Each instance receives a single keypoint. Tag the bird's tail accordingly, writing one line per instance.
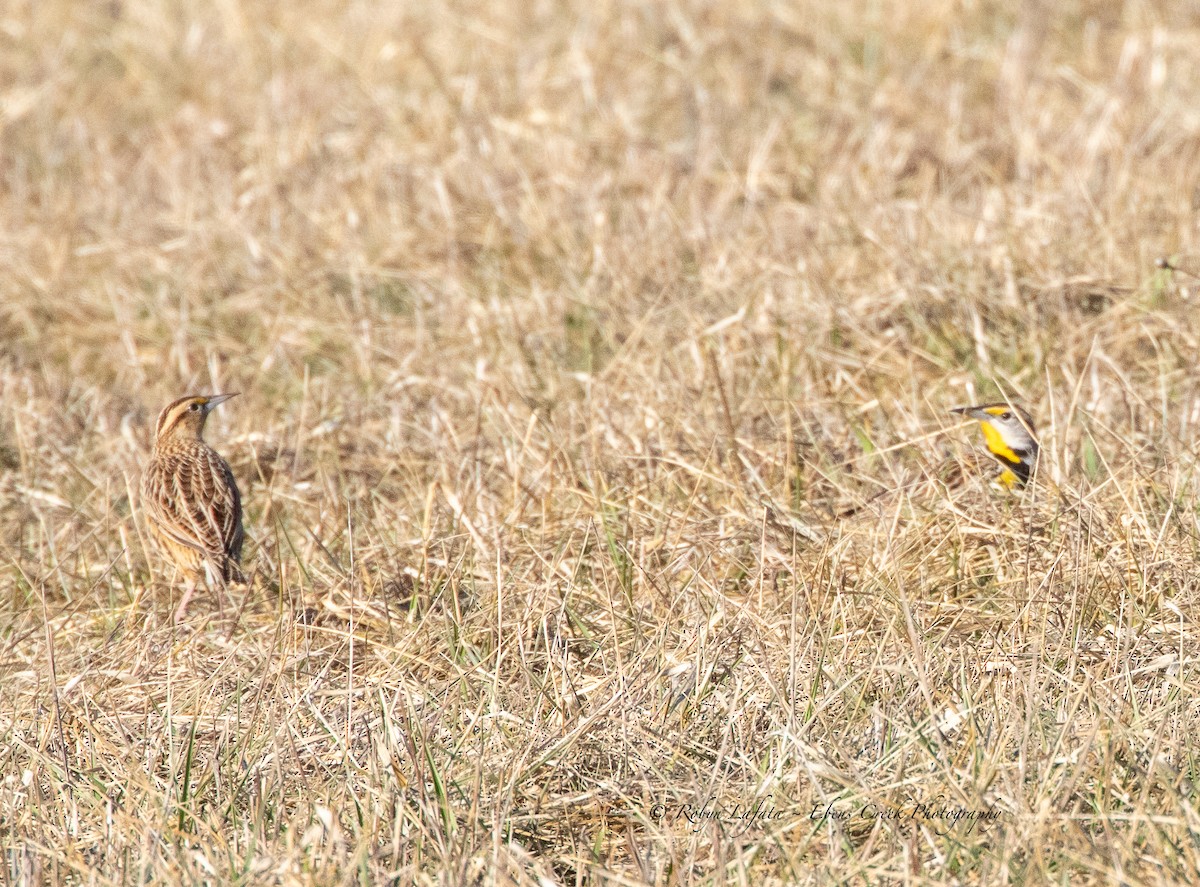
(224, 569)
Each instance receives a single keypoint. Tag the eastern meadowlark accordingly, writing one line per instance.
(1010, 437)
(191, 499)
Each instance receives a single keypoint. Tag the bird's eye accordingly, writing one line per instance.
(1005, 416)
(194, 407)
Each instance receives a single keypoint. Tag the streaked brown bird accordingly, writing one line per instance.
(191, 500)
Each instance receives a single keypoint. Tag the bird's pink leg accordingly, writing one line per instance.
(188, 591)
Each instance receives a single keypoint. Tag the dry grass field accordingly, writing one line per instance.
(595, 363)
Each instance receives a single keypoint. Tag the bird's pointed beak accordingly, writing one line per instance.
(218, 399)
(970, 412)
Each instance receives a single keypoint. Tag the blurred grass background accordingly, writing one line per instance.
(590, 358)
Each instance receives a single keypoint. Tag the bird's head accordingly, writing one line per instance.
(185, 417)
